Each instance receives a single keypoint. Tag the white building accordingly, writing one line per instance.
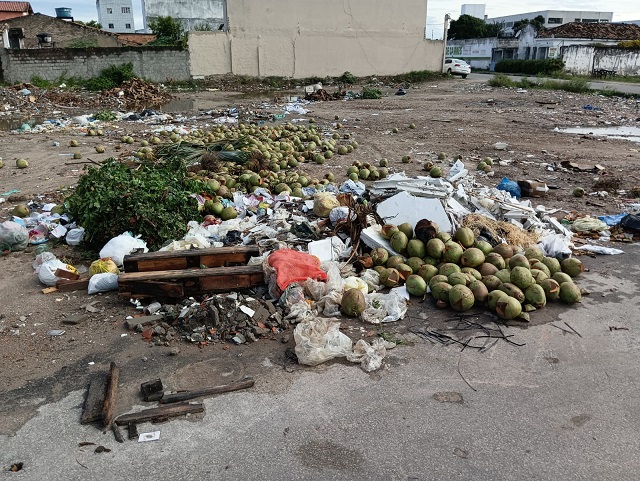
(474, 9)
(116, 15)
(192, 14)
(554, 18)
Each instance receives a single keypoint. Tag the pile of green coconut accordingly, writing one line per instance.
(462, 271)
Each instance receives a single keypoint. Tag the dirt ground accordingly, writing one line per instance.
(452, 116)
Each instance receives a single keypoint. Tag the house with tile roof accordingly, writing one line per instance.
(14, 9)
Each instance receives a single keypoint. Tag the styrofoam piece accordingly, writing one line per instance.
(372, 237)
(404, 207)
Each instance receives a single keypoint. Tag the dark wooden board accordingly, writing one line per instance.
(162, 412)
(92, 411)
(194, 258)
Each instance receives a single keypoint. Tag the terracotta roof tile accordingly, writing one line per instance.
(604, 31)
(15, 7)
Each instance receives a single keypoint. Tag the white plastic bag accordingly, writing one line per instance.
(75, 236)
(14, 236)
(370, 356)
(122, 245)
(104, 282)
(556, 245)
(384, 308)
(320, 340)
(46, 272)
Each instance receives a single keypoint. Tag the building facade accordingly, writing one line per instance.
(192, 14)
(116, 15)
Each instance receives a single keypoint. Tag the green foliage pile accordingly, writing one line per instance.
(152, 200)
(105, 115)
(371, 93)
(110, 77)
(547, 66)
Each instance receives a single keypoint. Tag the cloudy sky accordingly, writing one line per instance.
(622, 9)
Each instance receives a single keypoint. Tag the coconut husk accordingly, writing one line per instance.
(514, 235)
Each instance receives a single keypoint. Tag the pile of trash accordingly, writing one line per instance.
(138, 93)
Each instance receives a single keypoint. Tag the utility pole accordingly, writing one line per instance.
(447, 17)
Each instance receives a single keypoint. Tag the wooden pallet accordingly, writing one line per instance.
(189, 282)
(190, 259)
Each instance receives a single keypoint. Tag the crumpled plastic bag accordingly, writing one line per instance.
(320, 340)
(588, 224)
(356, 283)
(384, 308)
(370, 356)
(372, 278)
(104, 282)
(75, 236)
(556, 245)
(324, 203)
(122, 245)
(46, 271)
(13, 236)
(102, 266)
(510, 186)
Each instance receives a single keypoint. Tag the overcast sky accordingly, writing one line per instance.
(622, 9)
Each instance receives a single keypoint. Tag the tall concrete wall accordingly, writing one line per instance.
(191, 13)
(582, 59)
(304, 38)
(158, 64)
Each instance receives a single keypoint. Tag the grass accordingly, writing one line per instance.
(575, 85)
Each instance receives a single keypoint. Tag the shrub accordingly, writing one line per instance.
(501, 80)
(371, 93)
(111, 77)
(530, 67)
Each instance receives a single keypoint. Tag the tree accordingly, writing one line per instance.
(167, 30)
(472, 27)
(537, 23)
(91, 23)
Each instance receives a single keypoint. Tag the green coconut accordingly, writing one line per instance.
(534, 252)
(228, 213)
(415, 263)
(440, 291)
(380, 256)
(465, 236)
(572, 266)
(435, 279)
(458, 278)
(492, 282)
(452, 252)
(390, 277)
(443, 236)
(472, 257)
(21, 210)
(551, 289)
(552, 264)
(416, 285)
(427, 271)
(480, 291)
(448, 268)
(399, 241)
(487, 269)
(570, 293)
(521, 277)
(404, 270)
(505, 250)
(22, 164)
(504, 275)
(407, 229)
(461, 298)
(561, 277)
(484, 246)
(513, 291)
(435, 248)
(519, 260)
(508, 308)
(353, 303)
(494, 297)
(431, 261)
(435, 172)
(472, 273)
(539, 265)
(394, 261)
(388, 230)
(538, 275)
(496, 259)
(535, 296)
(416, 248)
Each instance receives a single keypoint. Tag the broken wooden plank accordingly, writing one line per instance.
(154, 289)
(193, 281)
(161, 412)
(49, 290)
(152, 390)
(116, 433)
(95, 399)
(188, 259)
(65, 285)
(110, 396)
(62, 274)
(208, 391)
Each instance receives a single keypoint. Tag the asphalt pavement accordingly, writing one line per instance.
(562, 406)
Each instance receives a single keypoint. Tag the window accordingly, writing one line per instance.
(604, 20)
(126, 9)
(127, 25)
(508, 24)
(109, 10)
(556, 21)
(589, 20)
(111, 26)
(577, 20)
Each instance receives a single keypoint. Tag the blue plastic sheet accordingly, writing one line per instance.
(510, 186)
(613, 219)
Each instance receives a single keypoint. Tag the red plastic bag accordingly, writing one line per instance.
(294, 266)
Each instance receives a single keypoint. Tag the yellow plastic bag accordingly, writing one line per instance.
(103, 266)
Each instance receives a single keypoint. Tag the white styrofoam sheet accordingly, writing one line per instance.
(404, 207)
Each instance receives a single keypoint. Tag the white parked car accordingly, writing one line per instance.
(455, 66)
